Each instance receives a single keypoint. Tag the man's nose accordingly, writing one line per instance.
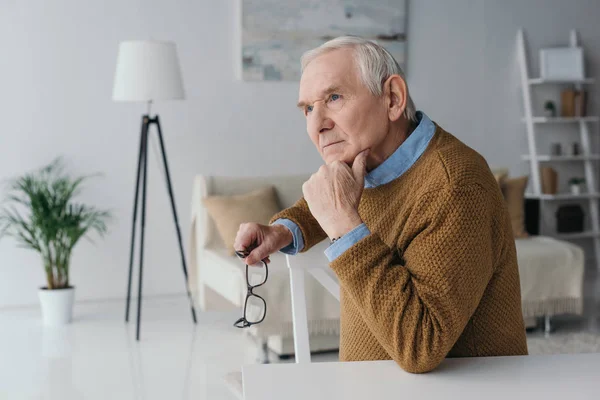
(326, 125)
(321, 121)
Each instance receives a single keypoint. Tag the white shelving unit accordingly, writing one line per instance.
(590, 160)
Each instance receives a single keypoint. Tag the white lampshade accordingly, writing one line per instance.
(147, 71)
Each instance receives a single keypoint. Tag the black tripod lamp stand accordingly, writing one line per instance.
(148, 71)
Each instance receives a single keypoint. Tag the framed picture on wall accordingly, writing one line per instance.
(562, 63)
(273, 34)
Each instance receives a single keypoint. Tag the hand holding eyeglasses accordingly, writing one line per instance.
(260, 241)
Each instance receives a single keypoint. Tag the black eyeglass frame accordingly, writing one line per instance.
(243, 321)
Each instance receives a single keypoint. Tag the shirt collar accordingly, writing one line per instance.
(405, 155)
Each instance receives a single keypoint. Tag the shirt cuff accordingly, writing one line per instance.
(338, 247)
(298, 243)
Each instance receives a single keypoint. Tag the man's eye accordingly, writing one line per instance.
(308, 109)
(335, 97)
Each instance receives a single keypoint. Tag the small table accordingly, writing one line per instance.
(560, 376)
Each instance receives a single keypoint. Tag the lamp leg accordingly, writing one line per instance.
(144, 131)
(183, 263)
(144, 180)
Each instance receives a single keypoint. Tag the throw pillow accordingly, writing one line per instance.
(500, 178)
(514, 194)
(228, 212)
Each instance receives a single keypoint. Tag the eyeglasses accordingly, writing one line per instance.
(255, 307)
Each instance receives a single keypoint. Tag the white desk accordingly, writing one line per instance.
(564, 377)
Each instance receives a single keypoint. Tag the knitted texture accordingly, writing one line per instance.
(438, 276)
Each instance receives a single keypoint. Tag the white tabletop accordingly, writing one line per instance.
(565, 376)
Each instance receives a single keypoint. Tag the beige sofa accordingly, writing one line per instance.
(551, 272)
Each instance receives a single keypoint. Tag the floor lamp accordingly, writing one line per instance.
(148, 71)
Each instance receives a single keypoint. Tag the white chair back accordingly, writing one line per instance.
(312, 262)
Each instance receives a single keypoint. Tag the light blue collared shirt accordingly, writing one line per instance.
(392, 168)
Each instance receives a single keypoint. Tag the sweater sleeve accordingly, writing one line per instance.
(300, 214)
(417, 302)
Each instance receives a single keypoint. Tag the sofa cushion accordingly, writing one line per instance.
(228, 212)
(514, 194)
(288, 188)
(500, 177)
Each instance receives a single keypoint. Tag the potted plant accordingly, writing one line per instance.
(40, 213)
(549, 109)
(576, 185)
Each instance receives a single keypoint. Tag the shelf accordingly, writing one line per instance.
(543, 120)
(577, 235)
(546, 157)
(539, 81)
(562, 196)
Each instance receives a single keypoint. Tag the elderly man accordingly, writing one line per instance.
(421, 239)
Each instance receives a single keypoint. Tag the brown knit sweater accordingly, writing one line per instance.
(437, 277)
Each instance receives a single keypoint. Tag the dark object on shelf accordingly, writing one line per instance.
(580, 103)
(569, 219)
(556, 149)
(576, 149)
(532, 216)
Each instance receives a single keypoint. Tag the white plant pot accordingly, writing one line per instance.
(57, 305)
(576, 189)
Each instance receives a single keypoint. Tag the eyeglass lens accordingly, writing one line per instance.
(255, 309)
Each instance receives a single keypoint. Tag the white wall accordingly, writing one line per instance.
(463, 69)
(56, 74)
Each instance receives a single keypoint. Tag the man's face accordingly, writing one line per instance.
(343, 118)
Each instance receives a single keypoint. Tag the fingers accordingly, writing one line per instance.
(266, 259)
(257, 255)
(359, 166)
(244, 238)
(248, 237)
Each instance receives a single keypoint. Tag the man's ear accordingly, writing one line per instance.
(395, 93)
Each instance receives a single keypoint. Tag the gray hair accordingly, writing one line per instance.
(375, 65)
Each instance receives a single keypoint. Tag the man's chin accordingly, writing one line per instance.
(332, 158)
